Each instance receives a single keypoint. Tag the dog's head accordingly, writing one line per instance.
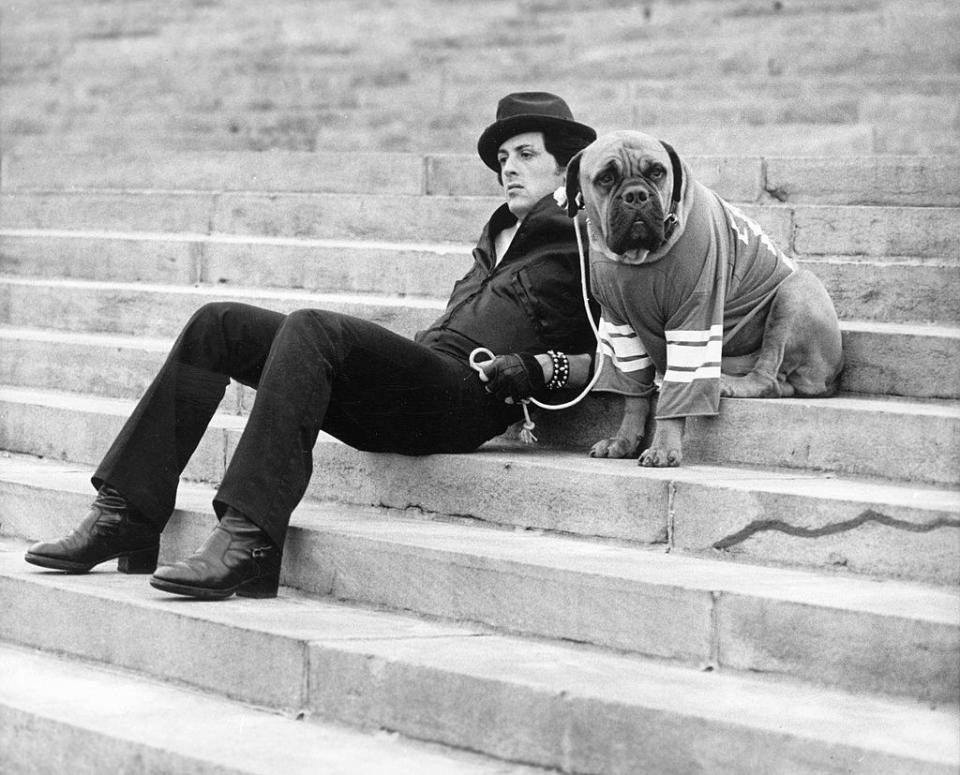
(631, 187)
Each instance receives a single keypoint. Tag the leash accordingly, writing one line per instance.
(526, 433)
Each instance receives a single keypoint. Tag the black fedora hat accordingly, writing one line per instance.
(531, 111)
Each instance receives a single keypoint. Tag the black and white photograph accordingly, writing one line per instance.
(442, 387)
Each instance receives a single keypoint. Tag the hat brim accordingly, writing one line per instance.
(488, 146)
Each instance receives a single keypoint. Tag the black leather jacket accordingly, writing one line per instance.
(531, 301)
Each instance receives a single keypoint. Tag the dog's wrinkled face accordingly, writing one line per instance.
(626, 181)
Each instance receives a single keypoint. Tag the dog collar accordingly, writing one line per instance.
(672, 220)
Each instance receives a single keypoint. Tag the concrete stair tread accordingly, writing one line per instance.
(877, 287)
(921, 180)
(436, 247)
(218, 291)
(358, 658)
(797, 624)
(279, 296)
(934, 410)
(496, 454)
(118, 722)
(946, 409)
(557, 552)
(898, 328)
(803, 229)
(441, 248)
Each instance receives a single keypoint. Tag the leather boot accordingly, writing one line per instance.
(237, 557)
(111, 529)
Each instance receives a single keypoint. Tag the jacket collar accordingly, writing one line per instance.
(546, 217)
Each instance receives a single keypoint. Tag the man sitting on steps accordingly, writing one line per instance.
(375, 390)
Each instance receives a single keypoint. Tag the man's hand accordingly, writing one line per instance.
(513, 377)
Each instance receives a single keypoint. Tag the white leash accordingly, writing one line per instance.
(526, 434)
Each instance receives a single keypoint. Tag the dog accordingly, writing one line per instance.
(697, 302)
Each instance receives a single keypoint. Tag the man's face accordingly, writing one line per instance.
(528, 173)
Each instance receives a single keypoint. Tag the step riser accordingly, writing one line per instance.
(84, 437)
(875, 363)
(891, 292)
(808, 523)
(808, 437)
(792, 433)
(381, 681)
(798, 229)
(897, 181)
(133, 311)
(58, 715)
(736, 178)
(874, 290)
(801, 526)
(693, 626)
(33, 744)
(594, 737)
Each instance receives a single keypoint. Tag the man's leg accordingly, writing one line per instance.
(372, 388)
(221, 340)
(138, 477)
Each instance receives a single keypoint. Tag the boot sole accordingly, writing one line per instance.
(255, 588)
(57, 564)
(139, 561)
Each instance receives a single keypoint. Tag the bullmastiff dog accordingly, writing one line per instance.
(697, 302)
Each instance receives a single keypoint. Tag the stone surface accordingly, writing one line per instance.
(824, 627)
(58, 715)
(437, 682)
(162, 310)
(128, 211)
(874, 180)
(386, 173)
(79, 428)
(891, 290)
(102, 256)
(807, 230)
(876, 231)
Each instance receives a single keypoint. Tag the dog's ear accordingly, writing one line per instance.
(574, 197)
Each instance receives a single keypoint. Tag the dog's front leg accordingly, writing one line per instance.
(666, 449)
(636, 409)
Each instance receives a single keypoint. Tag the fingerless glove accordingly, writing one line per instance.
(516, 376)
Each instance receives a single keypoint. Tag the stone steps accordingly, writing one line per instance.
(530, 604)
(738, 512)
(803, 230)
(895, 359)
(575, 609)
(883, 288)
(699, 612)
(406, 77)
(823, 434)
(842, 180)
(549, 704)
(83, 718)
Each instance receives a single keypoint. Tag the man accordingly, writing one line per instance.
(316, 370)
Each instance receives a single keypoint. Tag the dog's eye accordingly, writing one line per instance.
(605, 180)
(657, 173)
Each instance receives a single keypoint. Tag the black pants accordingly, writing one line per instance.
(313, 370)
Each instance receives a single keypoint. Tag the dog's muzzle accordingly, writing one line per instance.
(635, 219)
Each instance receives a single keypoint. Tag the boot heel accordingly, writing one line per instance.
(260, 587)
(143, 561)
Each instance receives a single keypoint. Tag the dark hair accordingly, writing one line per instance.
(560, 145)
(563, 146)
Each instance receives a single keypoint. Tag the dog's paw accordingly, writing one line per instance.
(752, 385)
(616, 447)
(727, 388)
(660, 457)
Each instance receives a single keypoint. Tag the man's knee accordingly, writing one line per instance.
(210, 316)
(315, 323)
(217, 329)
